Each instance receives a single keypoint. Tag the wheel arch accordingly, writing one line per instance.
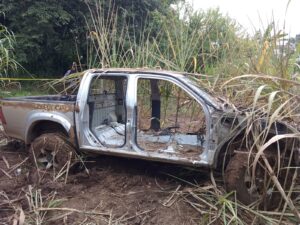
(276, 128)
(46, 125)
(224, 146)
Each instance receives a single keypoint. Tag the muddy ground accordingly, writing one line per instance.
(116, 191)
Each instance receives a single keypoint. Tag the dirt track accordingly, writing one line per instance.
(123, 191)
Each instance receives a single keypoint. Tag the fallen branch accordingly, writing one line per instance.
(73, 210)
(7, 174)
(138, 214)
(17, 165)
(167, 203)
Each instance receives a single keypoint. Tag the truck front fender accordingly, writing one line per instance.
(280, 128)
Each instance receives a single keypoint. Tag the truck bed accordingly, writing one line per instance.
(22, 112)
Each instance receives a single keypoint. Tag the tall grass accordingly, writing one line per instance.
(198, 42)
(112, 44)
(7, 61)
(194, 44)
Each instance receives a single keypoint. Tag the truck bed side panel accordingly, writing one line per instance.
(21, 113)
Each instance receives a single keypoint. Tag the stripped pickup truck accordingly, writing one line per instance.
(151, 115)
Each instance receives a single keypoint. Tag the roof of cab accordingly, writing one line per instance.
(215, 101)
(135, 70)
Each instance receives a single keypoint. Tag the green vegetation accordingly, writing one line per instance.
(25, 88)
(150, 33)
(51, 35)
(7, 61)
(46, 32)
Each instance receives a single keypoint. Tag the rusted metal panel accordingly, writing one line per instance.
(61, 107)
(72, 135)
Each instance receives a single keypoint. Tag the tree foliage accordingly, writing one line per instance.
(50, 34)
(45, 32)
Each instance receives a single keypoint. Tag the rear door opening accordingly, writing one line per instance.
(106, 101)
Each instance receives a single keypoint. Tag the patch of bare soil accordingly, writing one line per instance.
(115, 191)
